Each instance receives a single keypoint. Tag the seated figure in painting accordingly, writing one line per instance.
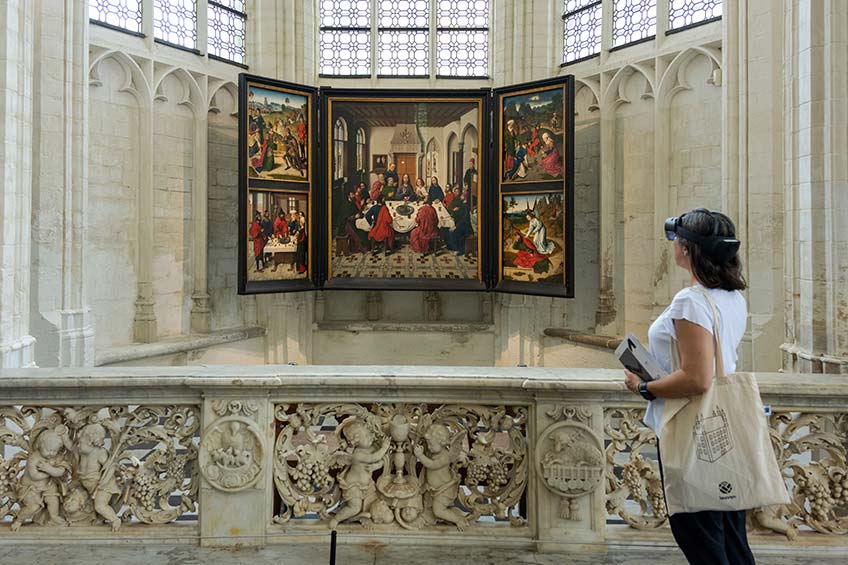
(347, 214)
(426, 228)
(390, 189)
(391, 174)
(552, 160)
(420, 188)
(435, 191)
(377, 187)
(406, 191)
(455, 237)
(451, 195)
(381, 227)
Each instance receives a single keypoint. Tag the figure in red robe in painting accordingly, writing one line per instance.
(377, 188)
(361, 196)
(257, 235)
(382, 229)
(281, 226)
(552, 161)
(427, 227)
(528, 256)
(535, 143)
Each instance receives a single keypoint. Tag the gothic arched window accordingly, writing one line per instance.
(339, 144)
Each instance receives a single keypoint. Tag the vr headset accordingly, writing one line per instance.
(720, 248)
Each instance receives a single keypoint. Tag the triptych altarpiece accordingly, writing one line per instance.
(406, 189)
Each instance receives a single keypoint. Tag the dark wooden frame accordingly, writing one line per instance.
(311, 282)
(490, 200)
(481, 96)
(566, 186)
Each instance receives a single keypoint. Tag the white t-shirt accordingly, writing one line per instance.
(691, 305)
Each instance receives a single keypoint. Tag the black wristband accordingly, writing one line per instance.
(646, 394)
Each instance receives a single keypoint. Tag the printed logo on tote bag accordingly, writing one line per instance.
(712, 436)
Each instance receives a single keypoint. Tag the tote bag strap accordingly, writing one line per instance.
(719, 358)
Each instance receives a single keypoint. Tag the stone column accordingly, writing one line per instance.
(816, 91)
(16, 45)
(59, 310)
(201, 314)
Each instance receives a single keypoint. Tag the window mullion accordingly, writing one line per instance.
(375, 39)
(434, 42)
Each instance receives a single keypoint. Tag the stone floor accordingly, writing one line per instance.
(370, 553)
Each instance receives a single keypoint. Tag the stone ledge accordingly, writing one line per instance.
(170, 346)
(435, 327)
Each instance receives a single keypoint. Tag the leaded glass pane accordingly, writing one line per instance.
(125, 14)
(345, 13)
(582, 34)
(463, 13)
(345, 52)
(403, 13)
(403, 52)
(633, 20)
(175, 21)
(226, 34)
(237, 5)
(463, 53)
(682, 13)
(573, 5)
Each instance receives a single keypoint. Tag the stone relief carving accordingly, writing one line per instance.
(631, 479)
(83, 466)
(232, 449)
(569, 460)
(400, 465)
(811, 450)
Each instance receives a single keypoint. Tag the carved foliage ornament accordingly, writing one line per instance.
(569, 458)
(89, 465)
(410, 466)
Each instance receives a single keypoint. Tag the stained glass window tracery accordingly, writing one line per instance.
(227, 19)
(344, 40)
(582, 23)
(684, 13)
(633, 20)
(175, 22)
(339, 143)
(403, 38)
(462, 38)
(123, 14)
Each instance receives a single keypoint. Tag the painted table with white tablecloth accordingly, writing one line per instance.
(403, 216)
(283, 251)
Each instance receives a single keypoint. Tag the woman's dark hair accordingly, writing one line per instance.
(708, 271)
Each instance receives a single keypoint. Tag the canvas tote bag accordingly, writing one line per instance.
(715, 448)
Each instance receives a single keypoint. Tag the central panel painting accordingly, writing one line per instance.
(404, 180)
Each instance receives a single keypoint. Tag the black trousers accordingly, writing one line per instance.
(711, 537)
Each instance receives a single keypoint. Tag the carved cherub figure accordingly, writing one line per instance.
(356, 483)
(97, 473)
(441, 481)
(41, 483)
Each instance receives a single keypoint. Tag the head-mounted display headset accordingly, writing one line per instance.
(720, 248)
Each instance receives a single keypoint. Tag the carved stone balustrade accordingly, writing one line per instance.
(545, 458)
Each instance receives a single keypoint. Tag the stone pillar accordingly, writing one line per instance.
(16, 45)
(235, 506)
(59, 311)
(201, 314)
(816, 91)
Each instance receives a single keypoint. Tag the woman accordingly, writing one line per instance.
(709, 536)
(300, 253)
(420, 188)
(552, 161)
(426, 228)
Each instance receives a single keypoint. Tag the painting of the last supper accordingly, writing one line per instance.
(405, 193)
